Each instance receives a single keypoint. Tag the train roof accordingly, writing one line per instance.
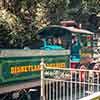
(72, 29)
(55, 29)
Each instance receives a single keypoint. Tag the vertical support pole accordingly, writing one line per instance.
(90, 81)
(42, 79)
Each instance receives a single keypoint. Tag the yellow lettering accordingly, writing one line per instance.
(58, 66)
(22, 69)
(51, 65)
(48, 65)
(15, 70)
(39, 67)
(25, 68)
(12, 70)
(30, 68)
(35, 68)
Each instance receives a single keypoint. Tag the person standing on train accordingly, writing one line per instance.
(75, 47)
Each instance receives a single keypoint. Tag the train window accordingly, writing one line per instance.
(86, 41)
(54, 41)
(59, 41)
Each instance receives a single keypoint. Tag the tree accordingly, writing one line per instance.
(41, 17)
(81, 10)
(93, 23)
(4, 36)
(19, 21)
(23, 18)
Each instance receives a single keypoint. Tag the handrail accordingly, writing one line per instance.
(94, 96)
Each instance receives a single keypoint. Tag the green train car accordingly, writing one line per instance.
(20, 69)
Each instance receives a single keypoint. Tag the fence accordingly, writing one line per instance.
(68, 84)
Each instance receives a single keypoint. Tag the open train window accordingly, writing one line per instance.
(86, 40)
(57, 41)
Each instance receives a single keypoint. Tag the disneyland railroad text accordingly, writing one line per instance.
(31, 68)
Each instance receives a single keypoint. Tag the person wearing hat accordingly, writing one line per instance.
(88, 62)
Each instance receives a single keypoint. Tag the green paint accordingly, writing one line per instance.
(6, 77)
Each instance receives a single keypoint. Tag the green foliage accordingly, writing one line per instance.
(21, 19)
(57, 10)
(4, 36)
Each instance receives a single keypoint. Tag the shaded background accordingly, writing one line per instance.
(21, 19)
